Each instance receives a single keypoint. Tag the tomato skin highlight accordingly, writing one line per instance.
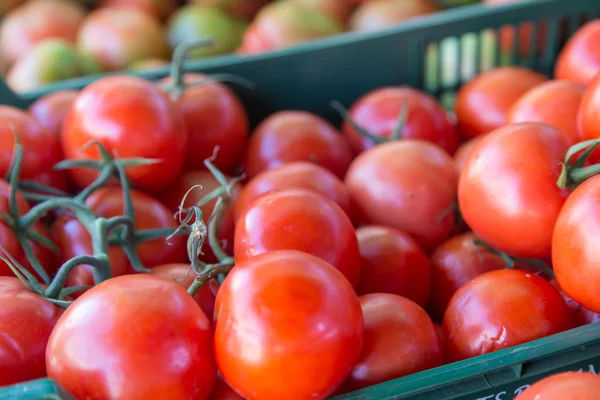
(132, 118)
(579, 60)
(375, 15)
(51, 110)
(589, 112)
(408, 185)
(566, 385)
(299, 219)
(501, 309)
(124, 317)
(307, 327)
(507, 190)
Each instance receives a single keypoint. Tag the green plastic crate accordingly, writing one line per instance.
(436, 53)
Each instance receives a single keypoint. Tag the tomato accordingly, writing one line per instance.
(51, 110)
(409, 185)
(306, 322)
(579, 60)
(26, 321)
(283, 24)
(464, 151)
(193, 23)
(377, 14)
(580, 315)
(237, 8)
(222, 391)
(455, 263)
(501, 309)
(589, 111)
(377, 112)
(184, 276)
(142, 122)
(482, 105)
(554, 103)
(37, 20)
(337, 10)
(566, 385)
(142, 327)
(41, 149)
(118, 37)
(214, 116)
(299, 174)
(392, 262)
(174, 193)
(298, 219)
(159, 9)
(507, 190)
(400, 340)
(288, 136)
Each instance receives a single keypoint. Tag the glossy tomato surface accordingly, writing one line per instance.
(51, 110)
(566, 385)
(501, 309)
(589, 111)
(580, 315)
(299, 219)
(408, 185)
(375, 15)
(579, 60)
(307, 327)
(159, 9)
(507, 191)
(143, 327)
(131, 117)
(464, 151)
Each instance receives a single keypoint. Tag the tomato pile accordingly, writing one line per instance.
(155, 245)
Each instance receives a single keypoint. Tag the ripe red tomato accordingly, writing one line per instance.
(408, 185)
(307, 327)
(580, 315)
(35, 21)
(455, 263)
(117, 37)
(579, 60)
(482, 105)
(51, 110)
(142, 327)
(501, 309)
(392, 262)
(507, 190)
(159, 9)
(26, 321)
(288, 136)
(589, 111)
(299, 174)
(555, 103)
(400, 340)
(378, 14)
(132, 118)
(174, 193)
(299, 219)
(573, 258)
(181, 274)
(149, 214)
(378, 111)
(222, 391)
(237, 8)
(464, 151)
(214, 117)
(566, 385)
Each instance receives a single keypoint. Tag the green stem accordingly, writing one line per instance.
(214, 225)
(579, 175)
(41, 209)
(101, 180)
(510, 261)
(101, 268)
(179, 57)
(210, 271)
(336, 105)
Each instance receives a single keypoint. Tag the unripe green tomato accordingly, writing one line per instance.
(237, 8)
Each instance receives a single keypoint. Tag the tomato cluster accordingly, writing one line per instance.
(319, 259)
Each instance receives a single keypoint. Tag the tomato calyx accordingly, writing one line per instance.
(574, 173)
(511, 261)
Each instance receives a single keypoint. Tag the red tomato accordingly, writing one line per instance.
(214, 116)
(579, 60)
(149, 214)
(580, 315)
(455, 263)
(507, 190)
(392, 262)
(482, 105)
(464, 151)
(117, 37)
(222, 391)
(408, 185)
(307, 327)
(132, 118)
(377, 14)
(400, 340)
(566, 385)
(26, 321)
(502, 309)
(35, 21)
(175, 192)
(237, 8)
(304, 175)
(554, 103)
(576, 264)
(51, 110)
(337, 10)
(159, 9)
(40, 149)
(378, 111)
(589, 111)
(142, 327)
(288, 136)
(299, 219)
(184, 276)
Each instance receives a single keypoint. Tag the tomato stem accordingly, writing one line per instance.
(510, 261)
(99, 263)
(210, 271)
(179, 58)
(574, 173)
